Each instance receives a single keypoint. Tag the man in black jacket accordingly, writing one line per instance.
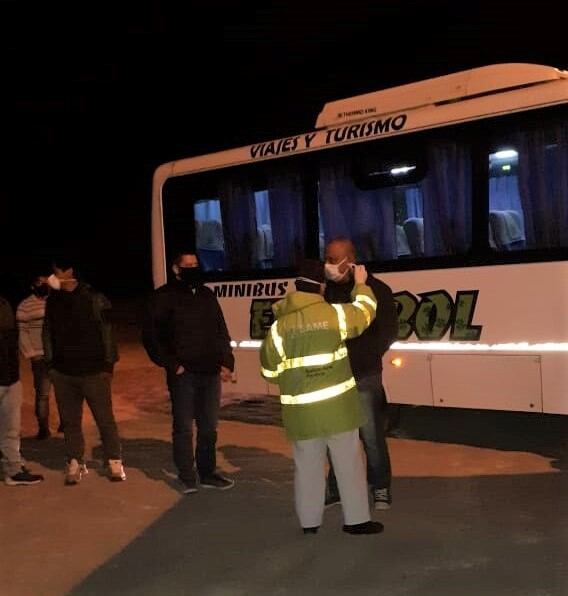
(80, 353)
(185, 333)
(365, 355)
(15, 473)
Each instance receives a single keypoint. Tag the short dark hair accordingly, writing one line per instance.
(181, 253)
(35, 274)
(64, 262)
(39, 267)
(312, 270)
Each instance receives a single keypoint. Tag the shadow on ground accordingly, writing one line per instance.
(444, 536)
(543, 434)
(153, 457)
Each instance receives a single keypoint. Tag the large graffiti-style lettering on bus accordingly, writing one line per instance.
(261, 317)
(429, 316)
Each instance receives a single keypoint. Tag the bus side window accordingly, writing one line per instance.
(209, 242)
(264, 242)
(506, 217)
(397, 206)
(528, 188)
(263, 221)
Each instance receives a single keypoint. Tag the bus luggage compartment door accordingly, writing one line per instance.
(407, 378)
(247, 379)
(493, 382)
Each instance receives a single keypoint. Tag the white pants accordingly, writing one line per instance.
(309, 479)
(10, 417)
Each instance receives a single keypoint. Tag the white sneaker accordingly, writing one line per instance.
(74, 471)
(116, 470)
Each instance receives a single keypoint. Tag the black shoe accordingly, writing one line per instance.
(369, 527)
(382, 498)
(43, 433)
(313, 530)
(215, 480)
(331, 499)
(23, 478)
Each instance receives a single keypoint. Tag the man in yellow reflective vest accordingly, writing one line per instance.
(305, 354)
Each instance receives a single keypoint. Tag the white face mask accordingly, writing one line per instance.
(332, 271)
(54, 282)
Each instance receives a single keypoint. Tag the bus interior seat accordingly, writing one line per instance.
(402, 246)
(209, 244)
(517, 226)
(265, 245)
(414, 229)
(492, 243)
(507, 229)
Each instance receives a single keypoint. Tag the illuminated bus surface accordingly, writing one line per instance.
(455, 193)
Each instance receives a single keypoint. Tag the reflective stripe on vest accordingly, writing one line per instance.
(364, 311)
(342, 320)
(277, 341)
(319, 395)
(363, 298)
(300, 361)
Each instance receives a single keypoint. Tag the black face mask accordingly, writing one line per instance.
(41, 291)
(190, 275)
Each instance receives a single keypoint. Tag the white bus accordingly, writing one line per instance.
(455, 193)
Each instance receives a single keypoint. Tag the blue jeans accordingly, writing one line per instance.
(195, 396)
(372, 434)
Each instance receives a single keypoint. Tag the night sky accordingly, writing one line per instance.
(95, 98)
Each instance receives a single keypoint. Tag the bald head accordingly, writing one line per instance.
(341, 252)
(340, 248)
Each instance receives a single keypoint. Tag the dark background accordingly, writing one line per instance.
(95, 96)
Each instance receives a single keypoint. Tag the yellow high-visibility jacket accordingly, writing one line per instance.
(305, 354)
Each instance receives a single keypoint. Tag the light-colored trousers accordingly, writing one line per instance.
(309, 479)
(10, 422)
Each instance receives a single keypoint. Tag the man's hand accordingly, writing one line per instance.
(225, 374)
(359, 274)
(180, 370)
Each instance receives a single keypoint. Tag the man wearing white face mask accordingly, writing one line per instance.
(30, 315)
(80, 354)
(365, 354)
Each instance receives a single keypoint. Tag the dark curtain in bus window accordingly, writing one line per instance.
(209, 234)
(543, 185)
(447, 200)
(364, 216)
(239, 225)
(286, 197)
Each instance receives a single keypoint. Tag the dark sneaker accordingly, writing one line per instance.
(23, 478)
(382, 498)
(369, 527)
(313, 530)
(215, 480)
(331, 499)
(188, 487)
